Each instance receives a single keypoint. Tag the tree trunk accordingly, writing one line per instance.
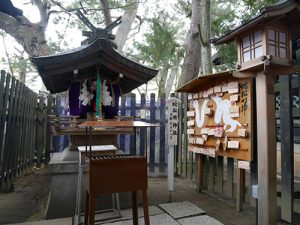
(170, 81)
(106, 12)
(204, 36)
(127, 20)
(162, 81)
(30, 35)
(192, 59)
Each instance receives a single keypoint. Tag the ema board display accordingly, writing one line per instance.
(220, 120)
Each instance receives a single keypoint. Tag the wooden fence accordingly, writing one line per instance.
(152, 111)
(17, 129)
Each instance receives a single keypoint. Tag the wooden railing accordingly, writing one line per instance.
(17, 129)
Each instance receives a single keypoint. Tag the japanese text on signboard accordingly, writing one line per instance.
(173, 121)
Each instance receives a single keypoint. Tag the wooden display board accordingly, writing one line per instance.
(220, 118)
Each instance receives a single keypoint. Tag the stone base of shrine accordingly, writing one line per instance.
(62, 198)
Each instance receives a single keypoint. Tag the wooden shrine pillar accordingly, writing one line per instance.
(266, 150)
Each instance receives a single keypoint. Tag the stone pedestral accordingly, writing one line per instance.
(62, 197)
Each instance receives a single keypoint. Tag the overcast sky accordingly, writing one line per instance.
(73, 36)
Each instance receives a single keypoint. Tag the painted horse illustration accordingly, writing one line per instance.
(200, 115)
(222, 112)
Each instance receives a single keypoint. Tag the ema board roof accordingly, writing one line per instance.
(203, 82)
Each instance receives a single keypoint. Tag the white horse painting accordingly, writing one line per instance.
(222, 113)
(200, 115)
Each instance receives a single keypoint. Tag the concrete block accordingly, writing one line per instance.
(199, 220)
(161, 219)
(181, 209)
(62, 197)
(63, 221)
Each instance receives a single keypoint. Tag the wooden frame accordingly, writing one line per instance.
(204, 137)
(253, 62)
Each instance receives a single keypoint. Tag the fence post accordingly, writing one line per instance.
(32, 127)
(240, 193)
(26, 131)
(162, 134)
(123, 113)
(49, 137)
(14, 136)
(20, 112)
(40, 131)
(184, 144)
(132, 113)
(287, 149)
(253, 165)
(2, 122)
(7, 157)
(143, 130)
(152, 133)
(219, 178)
(211, 173)
(230, 178)
(179, 147)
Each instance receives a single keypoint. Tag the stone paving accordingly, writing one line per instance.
(179, 213)
(181, 209)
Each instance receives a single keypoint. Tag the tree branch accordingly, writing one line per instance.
(43, 12)
(27, 34)
(10, 24)
(106, 12)
(138, 26)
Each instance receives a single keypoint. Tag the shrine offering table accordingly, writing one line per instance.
(116, 126)
(64, 167)
(111, 174)
(98, 150)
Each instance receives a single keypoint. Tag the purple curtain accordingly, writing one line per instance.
(74, 92)
(112, 110)
(76, 108)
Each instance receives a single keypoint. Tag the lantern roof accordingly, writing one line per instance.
(59, 70)
(286, 11)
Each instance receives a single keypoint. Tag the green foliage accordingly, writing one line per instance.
(21, 64)
(254, 6)
(183, 7)
(54, 46)
(227, 16)
(228, 62)
(223, 18)
(160, 47)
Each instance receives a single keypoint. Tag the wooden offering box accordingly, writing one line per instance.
(220, 116)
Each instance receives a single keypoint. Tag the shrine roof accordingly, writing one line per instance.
(57, 70)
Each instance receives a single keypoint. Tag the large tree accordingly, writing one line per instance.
(161, 50)
(204, 36)
(192, 59)
(211, 19)
(32, 36)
